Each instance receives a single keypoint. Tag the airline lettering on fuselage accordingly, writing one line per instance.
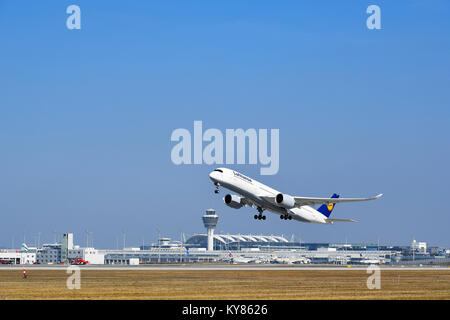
(237, 174)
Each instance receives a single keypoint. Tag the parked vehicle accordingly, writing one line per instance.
(6, 261)
(79, 262)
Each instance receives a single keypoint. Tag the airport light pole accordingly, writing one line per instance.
(124, 233)
(159, 246)
(87, 238)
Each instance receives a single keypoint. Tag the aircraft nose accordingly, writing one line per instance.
(216, 176)
(213, 175)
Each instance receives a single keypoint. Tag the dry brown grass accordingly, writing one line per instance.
(233, 284)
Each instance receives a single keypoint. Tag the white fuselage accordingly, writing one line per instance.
(255, 191)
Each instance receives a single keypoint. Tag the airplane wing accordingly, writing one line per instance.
(304, 201)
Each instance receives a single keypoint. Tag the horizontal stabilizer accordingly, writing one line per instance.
(331, 221)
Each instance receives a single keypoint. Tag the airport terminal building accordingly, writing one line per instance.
(228, 248)
(238, 241)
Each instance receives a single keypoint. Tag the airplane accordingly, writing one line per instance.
(241, 259)
(365, 260)
(291, 260)
(255, 194)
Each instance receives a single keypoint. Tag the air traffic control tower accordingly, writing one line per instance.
(210, 221)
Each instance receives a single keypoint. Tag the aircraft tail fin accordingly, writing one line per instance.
(326, 209)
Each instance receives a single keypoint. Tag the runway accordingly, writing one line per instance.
(223, 267)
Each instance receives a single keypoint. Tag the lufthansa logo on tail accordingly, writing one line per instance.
(330, 206)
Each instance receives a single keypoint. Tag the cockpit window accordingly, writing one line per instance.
(219, 170)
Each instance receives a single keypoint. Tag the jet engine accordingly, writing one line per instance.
(233, 201)
(284, 200)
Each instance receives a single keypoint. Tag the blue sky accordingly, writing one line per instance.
(86, 115)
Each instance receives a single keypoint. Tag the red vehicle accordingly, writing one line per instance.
(79, 261)
(6, 261)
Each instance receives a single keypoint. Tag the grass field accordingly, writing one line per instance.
(235, 284)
